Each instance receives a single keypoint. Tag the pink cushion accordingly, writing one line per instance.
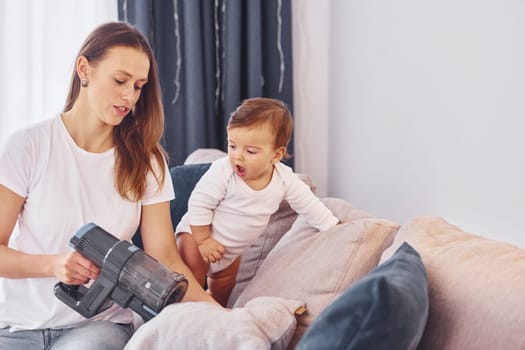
(317, 267)
(263, 323)
(476, 287)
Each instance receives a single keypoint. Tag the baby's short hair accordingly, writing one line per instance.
(261, 110)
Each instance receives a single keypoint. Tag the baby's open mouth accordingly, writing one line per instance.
(240, 170)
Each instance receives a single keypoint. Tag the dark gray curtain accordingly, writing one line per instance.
(212, 54)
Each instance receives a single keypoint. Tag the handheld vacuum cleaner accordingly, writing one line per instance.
(128, 276)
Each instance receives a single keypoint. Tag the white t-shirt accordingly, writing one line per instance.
(65, 188)
(239, 214)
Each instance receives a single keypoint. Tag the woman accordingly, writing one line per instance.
(99, 161)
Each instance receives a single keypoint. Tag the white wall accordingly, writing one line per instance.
(426, 111)
(311, 29)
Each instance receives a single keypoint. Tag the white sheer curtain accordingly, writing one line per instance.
(38, 43)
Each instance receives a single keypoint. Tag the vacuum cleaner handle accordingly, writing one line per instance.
(87, 302)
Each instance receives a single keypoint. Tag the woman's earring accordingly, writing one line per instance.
(84, 82)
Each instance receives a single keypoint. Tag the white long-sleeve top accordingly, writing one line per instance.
(238, 214)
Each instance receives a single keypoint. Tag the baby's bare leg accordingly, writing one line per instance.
(220, 284)
(189, 251)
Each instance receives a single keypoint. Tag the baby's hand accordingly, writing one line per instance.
(211, 250)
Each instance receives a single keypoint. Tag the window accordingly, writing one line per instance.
(38, 44)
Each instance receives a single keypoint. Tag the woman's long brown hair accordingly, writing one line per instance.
(137, 138)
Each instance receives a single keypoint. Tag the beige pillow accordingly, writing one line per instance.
(318, 266)
(263, 323)
(252, 258)
(254, 255)
(204, 155)
(476, 287)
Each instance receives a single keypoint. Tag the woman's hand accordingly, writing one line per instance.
(73, 268)
(211, 250)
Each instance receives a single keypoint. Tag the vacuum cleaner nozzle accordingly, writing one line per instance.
(128, 276)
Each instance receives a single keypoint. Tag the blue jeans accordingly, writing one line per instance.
(96, 335)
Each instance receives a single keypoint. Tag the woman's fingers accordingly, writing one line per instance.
(73, 268)
(86, 267)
